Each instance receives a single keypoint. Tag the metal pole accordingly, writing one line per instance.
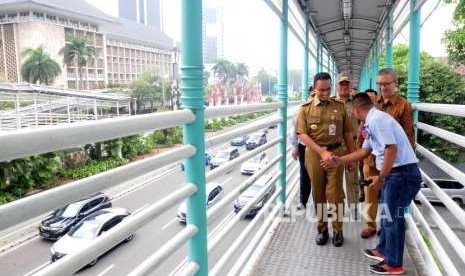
(305, 72)
(95, 109)
(194, 133)
(36, 115)
(117, 108)
(375, 61)
(163, 91)
(413, 84)
(282, 96)
(389, 55)
(68, 111)
(318, 54)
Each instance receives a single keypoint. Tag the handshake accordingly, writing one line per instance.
(331, 161)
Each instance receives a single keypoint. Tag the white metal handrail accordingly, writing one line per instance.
(231, 110)
(34, 205)
(444, 109)
(28, 142)
(444, 134)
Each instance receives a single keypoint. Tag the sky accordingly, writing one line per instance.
(251, 35)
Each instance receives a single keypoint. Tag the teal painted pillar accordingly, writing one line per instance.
(282, 97)
(318, 55)
(305, 71)
(389, 55)
(194, 133)
(375, 62)
(413, 83)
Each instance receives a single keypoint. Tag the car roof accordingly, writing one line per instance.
(85, 200)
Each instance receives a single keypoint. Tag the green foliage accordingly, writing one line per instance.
(39, 67)
(455, 39)
(267, 81)
(438, 84)
(19, 176)
(133, 145)
(94, 167)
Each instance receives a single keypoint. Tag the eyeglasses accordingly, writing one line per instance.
(344, 83)
(384, 84)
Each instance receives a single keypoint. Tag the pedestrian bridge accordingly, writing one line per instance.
(346, 35)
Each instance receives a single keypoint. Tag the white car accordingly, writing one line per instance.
(255, 164)
(214, 193)
(84, 233)
(452, 188)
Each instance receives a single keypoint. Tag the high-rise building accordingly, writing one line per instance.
(213, 31)
(124, 49)
(146, 12)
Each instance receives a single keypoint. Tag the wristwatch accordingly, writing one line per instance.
(382, 178)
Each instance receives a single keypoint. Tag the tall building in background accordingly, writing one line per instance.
(213, 31)
(147, 12)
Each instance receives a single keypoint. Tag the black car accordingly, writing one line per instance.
(62, 219)
(256, 140)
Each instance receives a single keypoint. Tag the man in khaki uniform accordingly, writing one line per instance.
(323, 126)
(343, 88)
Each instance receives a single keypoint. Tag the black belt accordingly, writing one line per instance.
(333, 146)
(403, 167)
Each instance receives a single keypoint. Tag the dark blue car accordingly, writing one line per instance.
(239, 141)
(208, 158)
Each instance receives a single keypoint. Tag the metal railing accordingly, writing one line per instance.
(26, 142)
(436, 259)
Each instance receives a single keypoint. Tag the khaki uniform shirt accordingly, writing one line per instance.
(315, 117)
(350, 116)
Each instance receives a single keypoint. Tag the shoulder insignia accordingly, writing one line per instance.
(308, 102)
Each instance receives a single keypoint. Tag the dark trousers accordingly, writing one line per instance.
(305, 187)
(397, 192)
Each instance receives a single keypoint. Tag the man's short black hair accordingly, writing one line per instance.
(372, 91)
(362, 100)
(310, 89)
(321, 76)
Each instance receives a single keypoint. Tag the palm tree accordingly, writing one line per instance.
(242, 72)
(39, 67)
(78, 51)
(224, 70)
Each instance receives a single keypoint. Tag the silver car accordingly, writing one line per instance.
(84, 233)
(452, 188)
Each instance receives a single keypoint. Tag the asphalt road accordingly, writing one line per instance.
(34, 255)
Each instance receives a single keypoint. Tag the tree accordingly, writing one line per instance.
(78, 52)
(438, 84)
(242, 72)
(39, 67)
(146, 88)
(455, 39)
(266, 81)
(225, 71)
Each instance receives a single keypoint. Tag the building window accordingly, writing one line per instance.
(38, 15)
(51, 18)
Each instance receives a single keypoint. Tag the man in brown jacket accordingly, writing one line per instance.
(401, 110)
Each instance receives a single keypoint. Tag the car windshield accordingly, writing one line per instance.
(222, 154)
(252, 191)
(71, 211)
(86, 230)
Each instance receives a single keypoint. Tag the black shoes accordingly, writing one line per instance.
(322, 238)
(338, 239)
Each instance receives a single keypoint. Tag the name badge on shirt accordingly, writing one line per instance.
(332, 129)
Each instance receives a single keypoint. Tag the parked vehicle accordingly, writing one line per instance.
(452, 188)
(224, 156)
(62, 219)
(255, 164)
(84, 233)
(249, 194)
(239, 141)
(213, 191)
(256, 140)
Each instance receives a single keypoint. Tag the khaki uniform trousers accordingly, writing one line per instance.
(327, 188)
(352, 188)
(371, 200)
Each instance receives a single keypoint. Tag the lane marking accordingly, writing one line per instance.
(169, 223)
(37, 269)
(21, 244)
(106, 270)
